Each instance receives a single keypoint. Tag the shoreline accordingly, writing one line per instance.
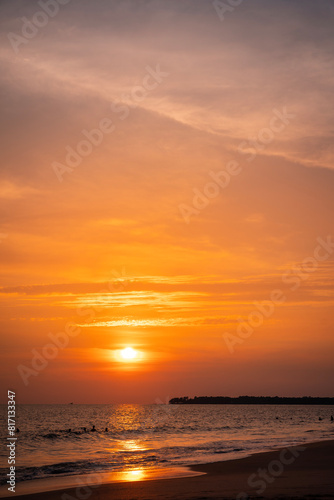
(94, 480)
(291, 472)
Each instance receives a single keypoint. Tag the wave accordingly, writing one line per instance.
(76, 468)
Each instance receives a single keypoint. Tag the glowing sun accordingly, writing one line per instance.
(128, 353)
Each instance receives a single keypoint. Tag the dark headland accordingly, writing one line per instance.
(251, 400)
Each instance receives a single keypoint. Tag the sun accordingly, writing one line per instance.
(129, 353)
(128, 356)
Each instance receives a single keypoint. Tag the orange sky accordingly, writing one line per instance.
(204, 184)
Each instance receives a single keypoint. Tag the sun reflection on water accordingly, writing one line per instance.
(132, 445)
(134, 475)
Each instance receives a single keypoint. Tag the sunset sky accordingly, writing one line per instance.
(208, 187)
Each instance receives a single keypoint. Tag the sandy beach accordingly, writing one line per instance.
(302, 472)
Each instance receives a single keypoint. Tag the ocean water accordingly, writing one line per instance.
(142, 437)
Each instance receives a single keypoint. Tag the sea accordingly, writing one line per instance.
(52, 440)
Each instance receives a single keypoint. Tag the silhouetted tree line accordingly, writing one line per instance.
(251, 400)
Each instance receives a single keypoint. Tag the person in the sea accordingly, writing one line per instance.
(85, 430)
(69, 430)
(93, 429)
(106, 429)
(332, 418)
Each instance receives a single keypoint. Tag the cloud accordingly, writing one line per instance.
(10, 191)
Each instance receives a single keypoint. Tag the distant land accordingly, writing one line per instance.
(250, 400)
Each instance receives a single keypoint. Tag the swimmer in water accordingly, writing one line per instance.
(93, 429)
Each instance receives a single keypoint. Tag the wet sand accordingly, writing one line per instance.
(300, 472)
